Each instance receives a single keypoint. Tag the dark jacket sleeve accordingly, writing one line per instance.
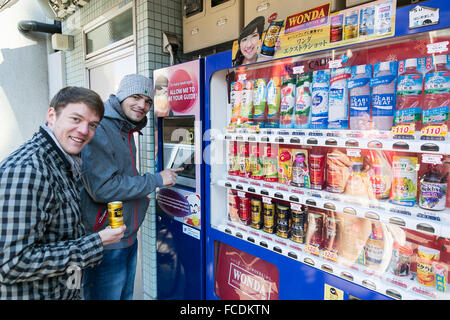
(26, 202)
(102, 174)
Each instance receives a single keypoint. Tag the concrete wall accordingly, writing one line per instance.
(24, 92)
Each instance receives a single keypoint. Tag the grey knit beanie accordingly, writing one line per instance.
(134, 84)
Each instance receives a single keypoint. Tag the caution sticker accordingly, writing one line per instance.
(333, 293)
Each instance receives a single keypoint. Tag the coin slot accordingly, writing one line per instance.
(327, 268)
(351, 143)
(369, 284)
(349, 210)
(375, 144)
(311, 141)
(372, 215)
(346, 276)
(401, 145)
(309, 261)
(394, 294)
(292, 255)
(278, 195)
(425, 227)
(397, 221)
(429, 147)
(294, 140)
(331, 142)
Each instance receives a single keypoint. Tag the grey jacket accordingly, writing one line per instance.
(109, 174)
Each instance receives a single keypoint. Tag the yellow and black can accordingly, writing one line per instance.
(115, 214)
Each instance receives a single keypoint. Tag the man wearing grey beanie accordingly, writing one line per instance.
(109, 174)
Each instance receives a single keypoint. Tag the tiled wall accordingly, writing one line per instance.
(152, 17)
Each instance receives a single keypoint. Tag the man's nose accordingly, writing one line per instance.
(141, 103)
(84, 128)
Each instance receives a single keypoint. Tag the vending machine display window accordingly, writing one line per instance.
(333, 160)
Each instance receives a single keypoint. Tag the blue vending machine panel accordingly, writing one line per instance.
(297, 211)
(179, 110)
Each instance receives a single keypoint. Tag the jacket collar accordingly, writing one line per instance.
(72, 163)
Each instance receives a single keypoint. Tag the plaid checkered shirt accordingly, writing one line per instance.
(43, 243)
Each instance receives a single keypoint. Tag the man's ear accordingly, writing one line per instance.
(51, 116)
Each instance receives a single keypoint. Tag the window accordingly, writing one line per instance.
(114, 30)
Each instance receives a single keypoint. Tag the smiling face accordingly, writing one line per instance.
(249, 46)
(136, 107)
(73, 126)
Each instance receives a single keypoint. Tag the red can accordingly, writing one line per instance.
(233, 159)
(315, 229)
(244, 210)
(316, 168)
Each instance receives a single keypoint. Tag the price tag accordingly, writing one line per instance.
(434, 131)
(267, 200)
(296, 206)
(332, 64)
(403, 129)
(432, 158)
(230, 128)
(253, 128)
(437, 47)
(354, 152)
(242, 76)
(298, 69)
(241, 194)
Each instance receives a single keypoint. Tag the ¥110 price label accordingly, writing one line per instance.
(403, 129)
(434, 131)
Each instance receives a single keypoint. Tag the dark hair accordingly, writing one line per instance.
(258, 24)
(75, 95)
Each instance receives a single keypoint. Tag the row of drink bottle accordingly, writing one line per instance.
(363, 97)
(364, 174)
(332, 235)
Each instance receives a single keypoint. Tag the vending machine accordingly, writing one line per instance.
(327, 172)
(178, 107)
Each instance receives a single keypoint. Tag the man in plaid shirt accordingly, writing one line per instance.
(43, 243)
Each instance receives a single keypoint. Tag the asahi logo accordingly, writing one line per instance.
(251, 284)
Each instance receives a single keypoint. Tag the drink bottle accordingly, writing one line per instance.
(319, 105)
(409, 95)
(383, 98)
(359, 90)
(437, 94)
(338, 99)
(302, 112)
